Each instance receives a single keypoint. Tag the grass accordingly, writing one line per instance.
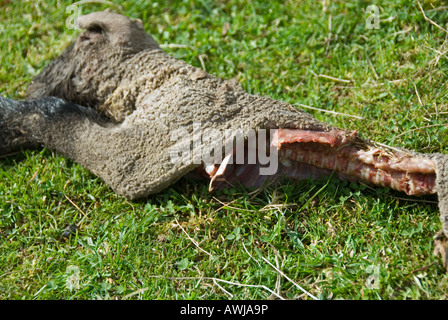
(331, 238)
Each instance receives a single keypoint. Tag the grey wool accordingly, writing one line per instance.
(141, 98)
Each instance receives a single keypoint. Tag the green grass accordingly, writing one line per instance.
(326, 236)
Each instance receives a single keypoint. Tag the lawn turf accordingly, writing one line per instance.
(331, 238)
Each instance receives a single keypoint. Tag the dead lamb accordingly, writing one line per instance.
(117, 104)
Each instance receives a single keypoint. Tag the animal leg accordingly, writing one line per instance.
(125, 157)
(304, 154)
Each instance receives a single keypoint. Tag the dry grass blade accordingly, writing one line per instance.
(175, 46)
(290, 280)
(329, 111)
(333, 78)
(223, 290)
(191, 239)
(214, 281)
(420, 128)
(110, 3)
(438, 9)
(74, 204)
(244, 246)
(282, 274)
(139, 291)
(418, 96)
(226, 205)
(429, 20)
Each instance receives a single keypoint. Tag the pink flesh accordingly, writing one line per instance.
(314, 154)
